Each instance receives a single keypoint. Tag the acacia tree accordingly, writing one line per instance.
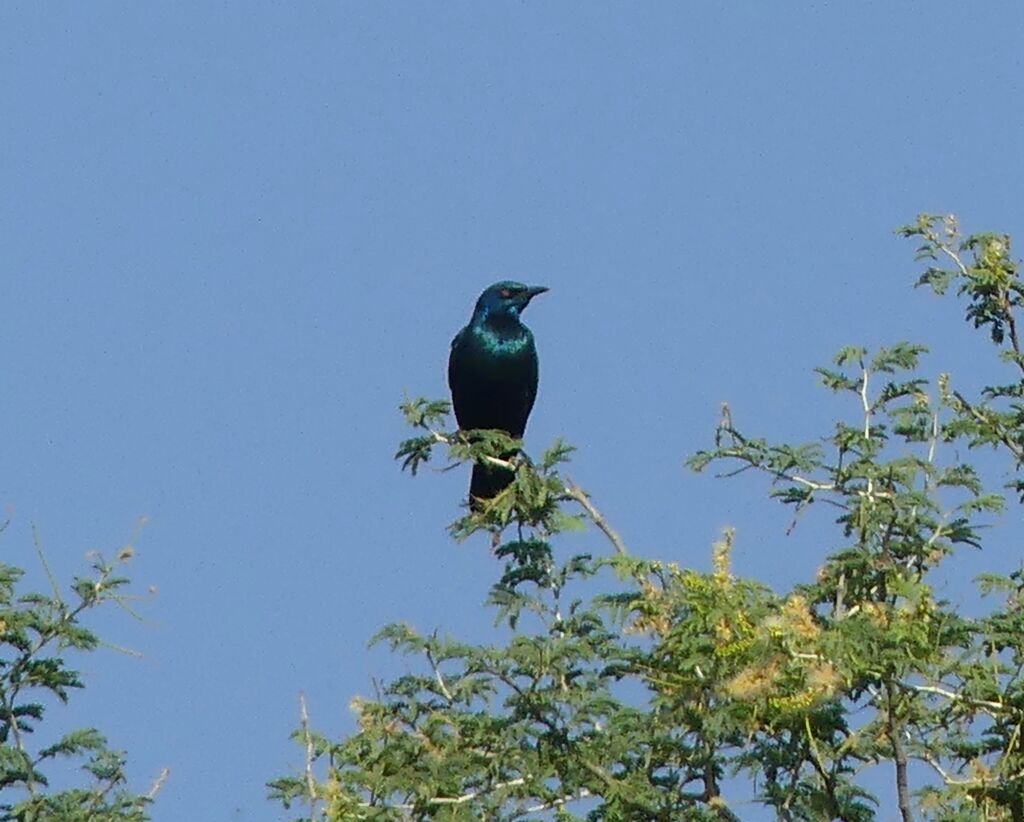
(633, 688)
(37, 633)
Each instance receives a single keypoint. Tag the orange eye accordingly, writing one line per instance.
(506, 293)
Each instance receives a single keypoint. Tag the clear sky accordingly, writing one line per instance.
(233, 234)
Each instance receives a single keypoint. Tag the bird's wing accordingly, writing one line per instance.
(456, 383)
(530, 386)
(458, 337)
(453, 358)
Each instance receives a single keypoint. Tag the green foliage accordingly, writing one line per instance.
(627, 688)
(989, 280)
(36, 632)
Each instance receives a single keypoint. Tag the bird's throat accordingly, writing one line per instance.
(504, 336)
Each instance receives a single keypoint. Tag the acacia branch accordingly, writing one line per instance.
(578, 494)
(469, 796)
(158, 783)
(894, 729)
(582, 793)
(438, 677)
(307, 737)
(952, 696)
(864, 402)
(949, 252)
(1004, 437)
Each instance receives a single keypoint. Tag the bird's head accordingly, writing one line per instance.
(506, 299)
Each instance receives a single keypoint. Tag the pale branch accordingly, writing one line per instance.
(578, 494)
(864, 402)
(582, 793)
(952, 696)
(499, 463)
(307, 738)
(438, 676)
(158, 783)
(933, 439)
(945, 775)
(965, 782)
(839, 607)
(737, 453)
(450, 439)
(812, 484)
(949, 252)
(471, 795)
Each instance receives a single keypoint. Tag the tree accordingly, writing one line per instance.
(636, 689)
(36, 632)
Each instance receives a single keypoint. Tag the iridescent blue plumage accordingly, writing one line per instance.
(492, 372)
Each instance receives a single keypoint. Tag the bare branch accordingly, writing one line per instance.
(582, 793)
(158, 783)
(437, 675)
(310, 751)
(949, 252)
(471, 795)
(578, 494)
(953, 696)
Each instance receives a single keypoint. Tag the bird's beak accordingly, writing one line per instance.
(534, 290)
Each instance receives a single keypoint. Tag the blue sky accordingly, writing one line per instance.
(234, 234)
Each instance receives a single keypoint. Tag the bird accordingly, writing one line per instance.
(492, 374)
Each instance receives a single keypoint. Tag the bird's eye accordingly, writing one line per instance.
(505, 293)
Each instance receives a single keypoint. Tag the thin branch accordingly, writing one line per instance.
(812, 484)
(899, 754)
(310, 750)
(438, 677)
(933, 439)
(37, 542)
(839, 607)
(864, 402)
(1011, 324)
(826, 777)
(500, 463)
(578, 494)
(471, 795)
(1004, 437)
(952, 696)
(582, 793)
(949, 252)
(158, 783)
(945, 775)
(967, 782)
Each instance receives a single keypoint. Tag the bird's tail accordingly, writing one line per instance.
(488, 481)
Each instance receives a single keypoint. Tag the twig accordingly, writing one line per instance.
(500, 463)
(578, 494)
(471, 795)
(158, 783)
(952, 696)
(437, 676)
(966, 782)
(1004, 437)
(37, 542)
(308, 738)
(864, 402)
(582, 793)
(934, 438)
(813, 484)
(945, 249)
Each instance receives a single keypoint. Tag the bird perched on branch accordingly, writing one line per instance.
(492, 372)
